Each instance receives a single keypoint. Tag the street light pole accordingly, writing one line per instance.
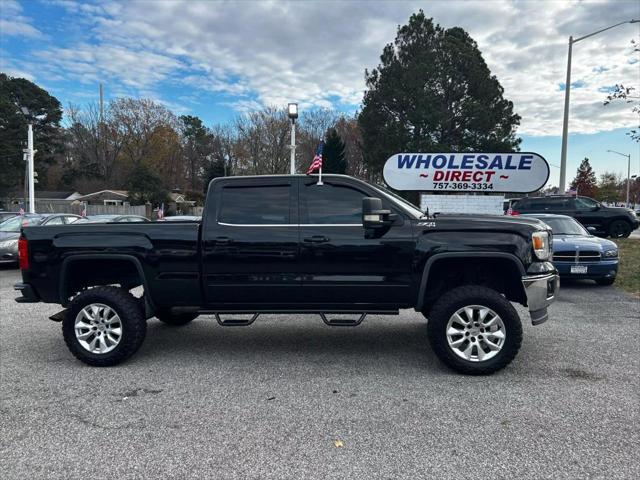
(628, 156)
(29, 154)
(292, 111)
(567, 89)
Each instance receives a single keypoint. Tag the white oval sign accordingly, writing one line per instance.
(520, 172)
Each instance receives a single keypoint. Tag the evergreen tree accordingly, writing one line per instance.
(585, 181)
(433, 92)
(212, 169)
(333, 155)
(146, 186)
(44, 111)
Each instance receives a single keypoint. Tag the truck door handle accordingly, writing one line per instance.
(223, 240)
(316, 239)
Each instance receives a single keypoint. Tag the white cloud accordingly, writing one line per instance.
(13, 23)
(258, 53)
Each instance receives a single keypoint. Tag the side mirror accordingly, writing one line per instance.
(373, 216)
(596, 208)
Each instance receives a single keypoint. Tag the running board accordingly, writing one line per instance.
(236, 322)
(343, 322)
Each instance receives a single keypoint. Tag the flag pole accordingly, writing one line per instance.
(320, 176)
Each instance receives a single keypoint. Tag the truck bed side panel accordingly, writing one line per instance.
(166, 253)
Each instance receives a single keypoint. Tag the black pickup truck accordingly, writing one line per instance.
(274, 244)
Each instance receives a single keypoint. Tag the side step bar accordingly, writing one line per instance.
(332, 322)
(236, 322)
(343, 322)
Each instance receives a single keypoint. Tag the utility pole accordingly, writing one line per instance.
(565, 124)
(567, 88)
(101, 104)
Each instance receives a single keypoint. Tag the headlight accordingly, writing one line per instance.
(541, 244)
(610, 253)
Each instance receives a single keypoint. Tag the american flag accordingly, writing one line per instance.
(21, 211)
(317, 160)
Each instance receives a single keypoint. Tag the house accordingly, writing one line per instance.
(105, 197)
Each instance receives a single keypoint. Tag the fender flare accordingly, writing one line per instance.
(64, 269)
(440, 256)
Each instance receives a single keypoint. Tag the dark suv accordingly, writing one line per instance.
(613, 221)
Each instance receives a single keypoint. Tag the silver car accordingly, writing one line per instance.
(10, 231)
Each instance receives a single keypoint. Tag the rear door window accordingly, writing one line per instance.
(255, 205)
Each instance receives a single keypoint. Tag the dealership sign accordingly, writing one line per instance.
(467, 172)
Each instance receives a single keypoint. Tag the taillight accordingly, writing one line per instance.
(23, 253)
(515, 213)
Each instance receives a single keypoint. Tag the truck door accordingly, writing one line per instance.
(338, 264)
(250, 243)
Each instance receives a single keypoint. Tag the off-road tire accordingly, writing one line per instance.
(134, 325)
(459, 297)
(176, 320)
(619, 229)
(606, 281)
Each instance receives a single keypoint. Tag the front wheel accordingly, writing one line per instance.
(619, 229)
(104, 326)
(474, 330)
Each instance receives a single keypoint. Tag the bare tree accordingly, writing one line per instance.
(312, 128)
(93, 144)
(140, 122)
(262, 142)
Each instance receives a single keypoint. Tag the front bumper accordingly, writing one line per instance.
(541, 291)
(595, 270)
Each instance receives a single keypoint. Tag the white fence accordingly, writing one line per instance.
(116, 210)
(68, 206)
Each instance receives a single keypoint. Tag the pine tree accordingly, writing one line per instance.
(333, 156)
(585, 181)
(433, 92)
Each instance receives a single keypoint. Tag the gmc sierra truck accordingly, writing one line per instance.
(287, 244)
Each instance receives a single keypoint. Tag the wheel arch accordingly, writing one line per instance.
(455, 258)
(74, 275)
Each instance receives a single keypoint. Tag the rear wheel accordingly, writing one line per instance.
(619, 229)
(104, 326)
(176, 319)
(474, 330)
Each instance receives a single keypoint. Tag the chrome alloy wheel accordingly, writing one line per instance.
(98, 328)
(475, 333)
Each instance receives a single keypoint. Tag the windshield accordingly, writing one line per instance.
(401, 202)
(14, 224)
(565, 226)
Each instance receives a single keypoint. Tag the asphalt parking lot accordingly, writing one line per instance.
(271, 400)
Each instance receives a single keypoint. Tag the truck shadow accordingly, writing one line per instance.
(301, 339)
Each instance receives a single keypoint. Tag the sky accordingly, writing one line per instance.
(220, 59)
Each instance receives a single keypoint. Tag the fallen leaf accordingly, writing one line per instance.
(338, 443)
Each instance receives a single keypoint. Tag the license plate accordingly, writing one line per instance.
(578, 269)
